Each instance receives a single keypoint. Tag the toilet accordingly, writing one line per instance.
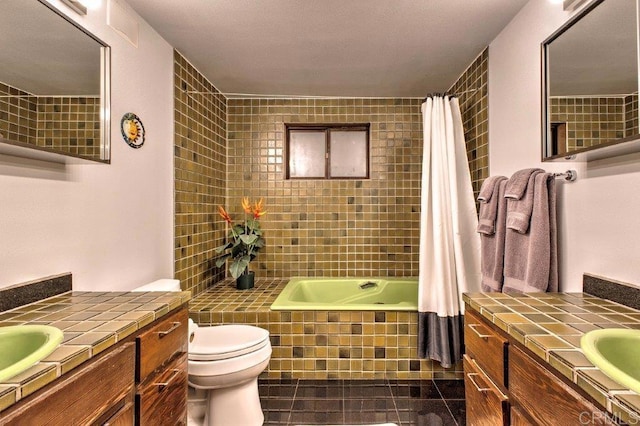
(224, 363)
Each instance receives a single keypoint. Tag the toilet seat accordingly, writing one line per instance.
(226, 341)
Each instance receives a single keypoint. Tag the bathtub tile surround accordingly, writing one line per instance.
(91, 321)
(200, 167)
(550, 325)
(322, 344)
(416, 402)
(33, 291)
(331, 227)
(473, 97)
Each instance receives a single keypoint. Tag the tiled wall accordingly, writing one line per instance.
(590, 120)
(631, 115)
(330, 227)
(18, 114)
(70, 124)
(473, 96)
(200, 176)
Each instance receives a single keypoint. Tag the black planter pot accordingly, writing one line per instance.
(245, 281)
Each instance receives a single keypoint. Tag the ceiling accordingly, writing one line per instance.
(362, 48)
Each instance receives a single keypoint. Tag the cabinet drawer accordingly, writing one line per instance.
(486, 347)
(485, 404)
(546, 398)
(81, 397)
(161, 342)
(163, 400)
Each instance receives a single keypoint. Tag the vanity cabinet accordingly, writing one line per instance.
(141, 380)
(505, 385)
(98, 392)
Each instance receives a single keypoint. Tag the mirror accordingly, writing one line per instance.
(54, 83)
(590, 80)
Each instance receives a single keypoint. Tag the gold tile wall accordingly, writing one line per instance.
(473, 96)
(18, 114)
(343, 228)
(70, 124)
(631, 115)
(200, 175)
(322, 344)
(65, 123)
(590, 120)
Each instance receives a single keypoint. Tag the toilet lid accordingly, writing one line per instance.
(226, 341)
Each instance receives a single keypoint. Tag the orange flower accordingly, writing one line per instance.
(258, 209)
(224, 214)
(246, 205)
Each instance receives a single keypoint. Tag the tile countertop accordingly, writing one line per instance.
(551, 324)
(91, 321)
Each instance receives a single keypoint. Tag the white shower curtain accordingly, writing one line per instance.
(449, 244)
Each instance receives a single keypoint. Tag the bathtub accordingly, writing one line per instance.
(348, 294)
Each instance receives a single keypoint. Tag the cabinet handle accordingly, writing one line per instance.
(162, 385)
(482, 336)
(470, 376)
(174, 326)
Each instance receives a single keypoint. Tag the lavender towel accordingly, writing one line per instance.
(530, 261)
(489, 200)
(518, 183)
(519, 210)
(492, 245)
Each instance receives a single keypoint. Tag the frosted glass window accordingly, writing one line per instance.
(307, 152)
(348, 154)
(327, 151)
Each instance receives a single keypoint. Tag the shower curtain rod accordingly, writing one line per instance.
(451, 95)
(273, 96)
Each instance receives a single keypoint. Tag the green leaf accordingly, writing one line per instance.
(223, 247)
(249, 239)
(220, 261)
(238, 266)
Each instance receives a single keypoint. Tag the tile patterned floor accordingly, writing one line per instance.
(334, 402)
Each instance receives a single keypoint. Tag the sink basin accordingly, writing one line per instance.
(22, 346)
(616, 351)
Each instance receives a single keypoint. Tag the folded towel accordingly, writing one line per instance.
(518, 183)
(492, 245)
(488, 188)
(489, 204)
(530, 260)
(519, 210)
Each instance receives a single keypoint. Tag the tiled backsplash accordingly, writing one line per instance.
(200, 171)
(18, 114)
(473, 95)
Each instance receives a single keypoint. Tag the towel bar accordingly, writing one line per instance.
(569, 175)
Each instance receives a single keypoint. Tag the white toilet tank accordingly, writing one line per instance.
(160, 285)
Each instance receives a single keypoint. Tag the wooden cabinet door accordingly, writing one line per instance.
(546, 398)
(84, 396)
(519, 419)
(486, 405)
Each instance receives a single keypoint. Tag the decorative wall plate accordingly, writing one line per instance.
(132, 130)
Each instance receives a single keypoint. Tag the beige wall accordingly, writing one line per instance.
(597, 214)
(110, 225)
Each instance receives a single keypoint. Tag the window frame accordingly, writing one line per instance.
(327, 128)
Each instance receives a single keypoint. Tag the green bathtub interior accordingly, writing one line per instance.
(346, 294)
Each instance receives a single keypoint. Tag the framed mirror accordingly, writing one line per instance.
(590, 80)
(54, 84)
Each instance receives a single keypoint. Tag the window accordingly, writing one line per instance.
(327, 151)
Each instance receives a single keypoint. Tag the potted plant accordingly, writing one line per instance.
(243, 243)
